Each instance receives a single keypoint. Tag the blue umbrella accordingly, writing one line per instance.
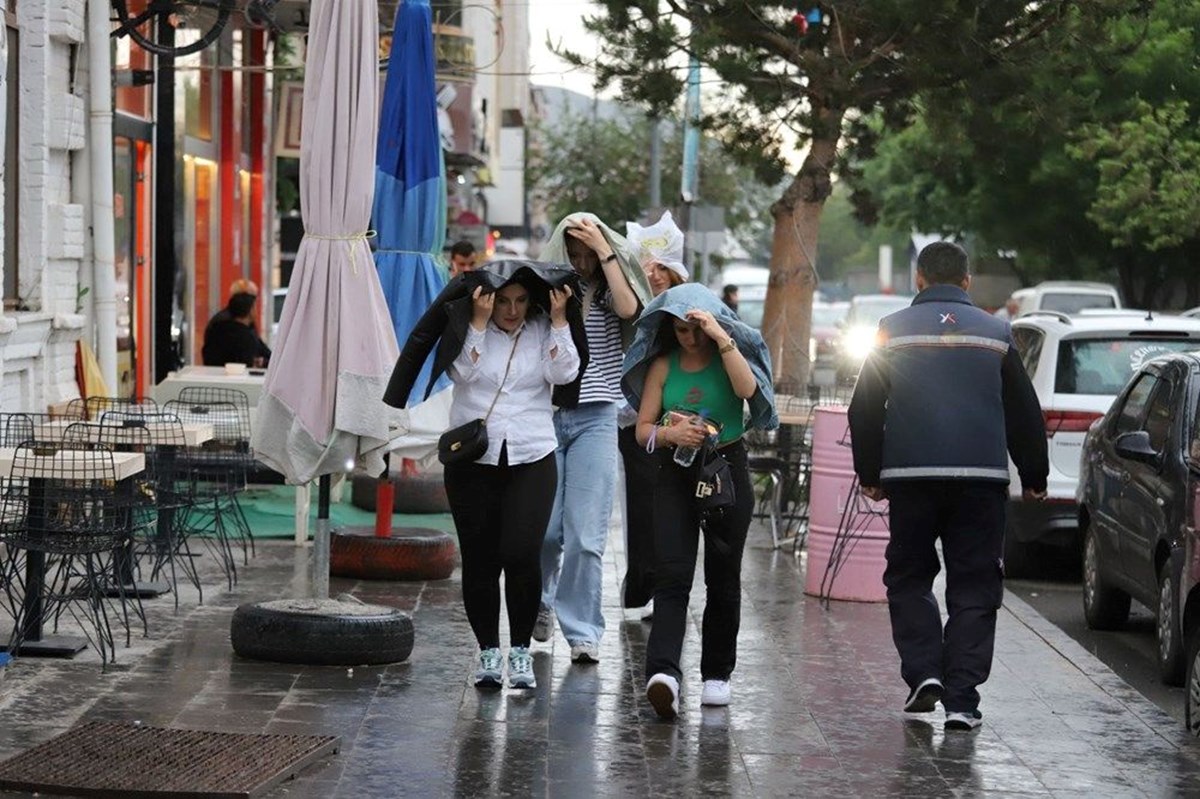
(409, 215)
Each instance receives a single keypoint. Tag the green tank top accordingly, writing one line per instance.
(708, 391)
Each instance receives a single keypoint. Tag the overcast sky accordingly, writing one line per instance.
(562, 20)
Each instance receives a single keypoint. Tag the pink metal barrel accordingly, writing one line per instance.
(860, 575)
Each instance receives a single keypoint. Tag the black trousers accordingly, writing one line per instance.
(501, 513)
(641, 474)
(676, 542)
(968, 517)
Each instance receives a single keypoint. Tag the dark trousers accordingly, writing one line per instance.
(641, 473)
(501, 513)
(676, 541)
(968, 517)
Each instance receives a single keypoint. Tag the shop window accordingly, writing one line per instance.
(198, 87)
(12, 181)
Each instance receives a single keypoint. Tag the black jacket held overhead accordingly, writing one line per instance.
(944, 396)
(445, 324)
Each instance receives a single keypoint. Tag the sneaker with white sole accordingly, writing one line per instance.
(490, 673)
(716, 693)
(925, 696)
(520, 668)
(586, 652)
(663, 692)
(963, 720)
(543, 627)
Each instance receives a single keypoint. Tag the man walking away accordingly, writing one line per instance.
(937, 404)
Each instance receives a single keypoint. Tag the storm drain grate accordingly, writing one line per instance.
(132, 760)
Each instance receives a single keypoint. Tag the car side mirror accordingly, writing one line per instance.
(1135, 446)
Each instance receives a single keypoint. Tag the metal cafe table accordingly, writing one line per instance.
(128, 465)
(159, 435)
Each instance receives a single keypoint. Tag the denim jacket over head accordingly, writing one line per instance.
(677, 302)
(945, 397)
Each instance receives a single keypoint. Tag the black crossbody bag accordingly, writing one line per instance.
(468, 442)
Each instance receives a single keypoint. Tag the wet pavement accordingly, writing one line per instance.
(816, 709)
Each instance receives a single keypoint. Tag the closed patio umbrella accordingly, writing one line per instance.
(321, 410)
(410, 178)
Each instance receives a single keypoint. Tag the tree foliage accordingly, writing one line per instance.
(776, 84)
(1091, 171)
(602, 165)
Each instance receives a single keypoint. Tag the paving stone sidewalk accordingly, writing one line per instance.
(816, 705)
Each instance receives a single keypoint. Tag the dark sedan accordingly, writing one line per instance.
(1139, 472)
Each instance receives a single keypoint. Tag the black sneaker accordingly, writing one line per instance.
(925, 696)
(963, 720)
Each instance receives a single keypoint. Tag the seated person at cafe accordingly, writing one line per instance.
(231, 336)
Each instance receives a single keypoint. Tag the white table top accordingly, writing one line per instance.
(194, 434)
(127, 464)
(211, 376)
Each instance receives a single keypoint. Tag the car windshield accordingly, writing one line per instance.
(827, 315)
(1074, 303)
(751, 311)
(1104, 365)
(869, 312)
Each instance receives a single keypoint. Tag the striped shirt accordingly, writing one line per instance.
(602, 378)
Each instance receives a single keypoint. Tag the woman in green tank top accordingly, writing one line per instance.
(702, 371)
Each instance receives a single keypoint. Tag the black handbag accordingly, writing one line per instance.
(714, 482)
(468, 442)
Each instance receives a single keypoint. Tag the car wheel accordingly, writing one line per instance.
(1191, 705)
(1018, 555)
(321, 632)
(1170, 647)
(1104, 607)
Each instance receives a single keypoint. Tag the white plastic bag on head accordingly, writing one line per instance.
(661, 242)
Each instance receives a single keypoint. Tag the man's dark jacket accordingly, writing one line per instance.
(445, 324)
(226, 340)
(944, 396)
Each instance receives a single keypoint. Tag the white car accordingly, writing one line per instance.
(1066, 296)
(859, 327)
(1078, 365)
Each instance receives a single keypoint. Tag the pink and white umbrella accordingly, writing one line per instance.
(321, 408)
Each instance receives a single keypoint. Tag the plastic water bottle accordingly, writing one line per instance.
(684, 456)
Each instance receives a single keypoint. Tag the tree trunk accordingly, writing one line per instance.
(787, 315)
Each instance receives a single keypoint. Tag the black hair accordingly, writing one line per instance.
(943, 262)
(240, 305)
(729, 289)
(463, 248)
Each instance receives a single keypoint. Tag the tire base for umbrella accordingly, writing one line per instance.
(420, 493)
(321, 632)
(409, 553)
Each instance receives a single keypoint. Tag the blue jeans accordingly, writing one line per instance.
(573, 553)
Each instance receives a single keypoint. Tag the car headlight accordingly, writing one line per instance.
(860, 341)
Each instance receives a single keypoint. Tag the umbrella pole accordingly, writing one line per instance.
(384, 501)
(320, 577)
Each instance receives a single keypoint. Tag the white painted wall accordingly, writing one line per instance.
(37, 346)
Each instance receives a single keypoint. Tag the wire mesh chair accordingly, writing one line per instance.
(92, 408)
(17, 428)
(167, 490)
(225, 431)
(70, 509)
(216, 471)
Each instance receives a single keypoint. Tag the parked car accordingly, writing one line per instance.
(751, 300)
(827, 318)
(1066, 296)
(1078, 366)
(1137, 501)
(858, 329)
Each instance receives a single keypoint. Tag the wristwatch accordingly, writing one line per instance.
(611, 257)
(728, 346)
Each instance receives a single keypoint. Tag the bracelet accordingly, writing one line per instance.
(611, 257)
(728, 346)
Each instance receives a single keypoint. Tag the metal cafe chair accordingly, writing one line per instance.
(166, 490)
(92, 408)
(65, 505)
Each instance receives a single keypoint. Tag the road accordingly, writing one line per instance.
(1130, 652)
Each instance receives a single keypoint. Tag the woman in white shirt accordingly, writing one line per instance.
(501, 503)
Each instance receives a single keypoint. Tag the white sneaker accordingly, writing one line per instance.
(520, 668)
(542, 627)
(585, 653)
(716, 693)
(663, 692)
(490, 672)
